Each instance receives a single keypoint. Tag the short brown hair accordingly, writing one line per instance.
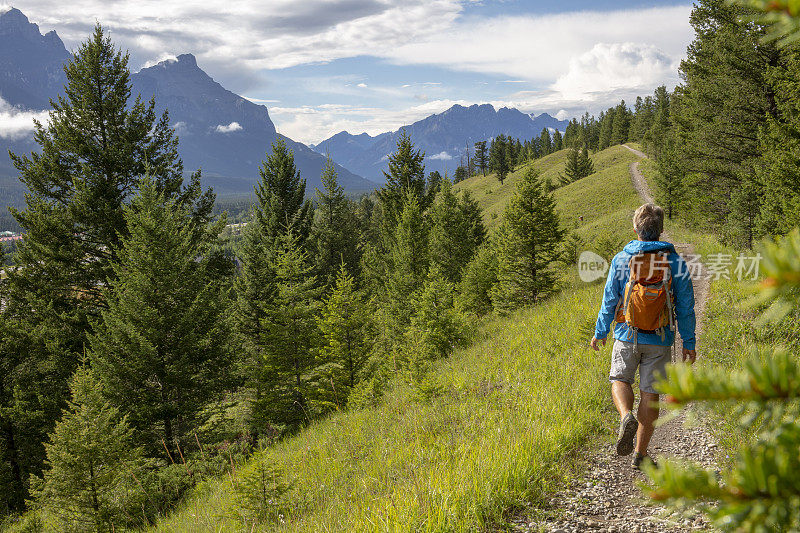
(648, 221)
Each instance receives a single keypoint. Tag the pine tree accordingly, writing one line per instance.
(661, 128)
(254, 294)
(572, 134)
(643, 119)
(479, 277)
(88, 481)
(95, 147)
(160, 348)
(434, 184)
(281, 197)
(260, 489)
(343, 355)
(280, 208)
(456, 232)
(406, 269)
(545, 142)
(558, 142)
(481, 156)
(729, 56)
(527, 244)
(460, 174)
(620, 126)
(290, 338)
(406, 175)
(335, 232)
(606, 129)
(780, 147)
(440, 327)
(671, 178)
(578, 164)
(498, 158)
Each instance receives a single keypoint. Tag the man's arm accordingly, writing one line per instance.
(684, 308)
(611, 296)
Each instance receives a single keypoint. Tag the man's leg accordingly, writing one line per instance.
(622, 394)
(647, 415)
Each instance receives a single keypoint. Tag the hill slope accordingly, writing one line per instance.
(599, 198)
(489, 429)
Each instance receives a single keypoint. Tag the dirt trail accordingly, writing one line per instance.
(606, 496)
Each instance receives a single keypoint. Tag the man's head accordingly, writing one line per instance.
(648, 222)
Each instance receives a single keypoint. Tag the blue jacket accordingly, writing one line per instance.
(682, 288)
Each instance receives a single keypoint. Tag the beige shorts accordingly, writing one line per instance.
(651, 360)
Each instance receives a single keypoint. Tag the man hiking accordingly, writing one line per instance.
(649, 288)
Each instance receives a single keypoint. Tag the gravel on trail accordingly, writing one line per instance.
(606, 496)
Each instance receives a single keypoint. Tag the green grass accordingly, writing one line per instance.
(492, 197)
(595, 197)
(492, 428)
(606, 199)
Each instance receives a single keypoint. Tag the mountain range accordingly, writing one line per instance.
(443, 137)
(220, 132)
(227, 135)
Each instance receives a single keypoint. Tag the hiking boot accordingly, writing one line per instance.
(627, 434)
(642, 459)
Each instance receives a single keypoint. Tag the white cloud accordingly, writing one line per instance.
(362, 85)
(16, 123)
(261, 101)
(230, 128)
(444, 156)
(4, 8)
(229, 36)
(538, 48)
(610, 67)
(163, 57)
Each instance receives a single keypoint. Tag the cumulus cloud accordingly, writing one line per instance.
(610, 67)
(362, 85)
(230, 128)
(16, 123)
(232, 37)
(443, 156)
(537, 48)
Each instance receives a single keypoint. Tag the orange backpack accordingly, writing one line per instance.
(646, 304)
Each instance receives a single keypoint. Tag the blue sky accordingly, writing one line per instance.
(322, 66)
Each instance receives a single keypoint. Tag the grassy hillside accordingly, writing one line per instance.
(596, 197)
(489, 429)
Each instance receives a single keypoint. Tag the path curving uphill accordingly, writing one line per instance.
(606, 496)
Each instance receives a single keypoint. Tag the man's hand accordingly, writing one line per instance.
(689, 355)
(594, 343)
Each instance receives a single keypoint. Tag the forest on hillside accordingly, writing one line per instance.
(144, 350)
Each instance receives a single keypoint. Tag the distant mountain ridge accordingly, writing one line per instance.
(30, 63)
(225, 135)
(444, 137)
(221, 132)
